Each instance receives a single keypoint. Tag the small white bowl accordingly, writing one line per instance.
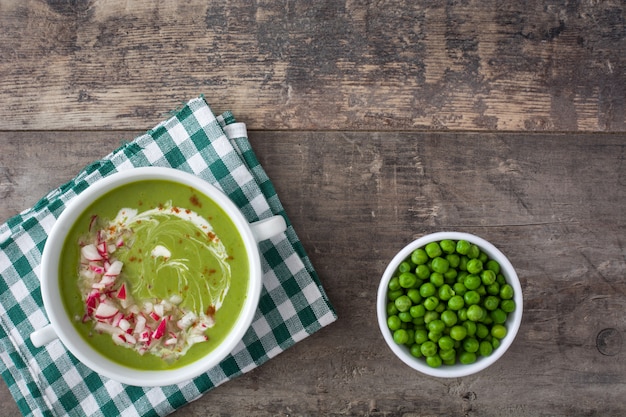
(61, 326)
(458, 370)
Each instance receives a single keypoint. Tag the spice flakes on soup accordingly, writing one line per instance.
(153, 280)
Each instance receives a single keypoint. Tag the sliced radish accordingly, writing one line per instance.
(114, 269)
(160, 331)
(90, 253)
(106, 311)
(121, 293)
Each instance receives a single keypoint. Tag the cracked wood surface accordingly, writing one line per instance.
(326, 65)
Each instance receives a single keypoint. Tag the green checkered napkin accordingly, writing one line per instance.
(49, 381)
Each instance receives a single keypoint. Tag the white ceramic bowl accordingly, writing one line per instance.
(458, 370)
(61, 326)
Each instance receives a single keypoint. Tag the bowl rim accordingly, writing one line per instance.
(513, 321)
(61, 322)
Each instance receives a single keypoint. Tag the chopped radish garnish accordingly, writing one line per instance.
(105, 311)
(160, 327)
(160, 331)
(121, 294)
(124, 324)
(90, 253)
(159, 310)
(114, 269)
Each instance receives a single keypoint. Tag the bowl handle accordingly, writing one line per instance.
(43, 336)
(267, 228)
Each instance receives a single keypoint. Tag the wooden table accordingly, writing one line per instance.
(378, 122)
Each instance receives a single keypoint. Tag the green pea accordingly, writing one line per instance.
(488, 277)
(417, 311)
(447, 355)
(471, 327)
(434, 361)
(411, 333)
(441, 307)
(474, 252)
(445, 343)
(458, 332)
(394, 284)
(508, 306)
(434, 336)
(405, 266)
(506, 292)
(485, 348)
(414, 295)
(483, 257)
(481, 331)
(405, 317)
(392, 295)
(436, 326)
(460, 276)
(430, 316)
(475, 312)
(421, 335)
(418, 321)
(437, 279)
(471, 298)
(463, 263)
(427, 289)
(431, 303)
(498, 316)
(472, 282)
(467, 358)
(450, 276)
(481, 290)
(459, 288)
(429, 348)
(495, 343)
(433, 250)
(474, 266)
(493, 289)
(441, 265)
(403, 303)
(391, 309)
(498, 331)
(415, 351)
(470, 344)
(422, 271)
(453, 259)
(419, 256)
(463, 247)
(493, 265)
(462, 313)
(400, 336)
(456, 303)
(445, 292)
(449, 317)
(393, 322)
(407, 280)
(500, 279)
(491, 302)
(447, 246)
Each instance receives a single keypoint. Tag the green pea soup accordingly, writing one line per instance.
(149, 279)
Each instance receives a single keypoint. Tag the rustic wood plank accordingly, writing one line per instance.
(352, 65)
(552, 202)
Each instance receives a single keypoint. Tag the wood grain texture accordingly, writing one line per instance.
(527, 65)
(552, 203)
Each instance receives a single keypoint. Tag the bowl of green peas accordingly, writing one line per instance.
(449, 304)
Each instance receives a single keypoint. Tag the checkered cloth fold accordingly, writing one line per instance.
(49, 381)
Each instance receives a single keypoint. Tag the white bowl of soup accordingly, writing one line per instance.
(151, 276)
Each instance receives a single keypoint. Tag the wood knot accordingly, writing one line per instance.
(609, 342)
